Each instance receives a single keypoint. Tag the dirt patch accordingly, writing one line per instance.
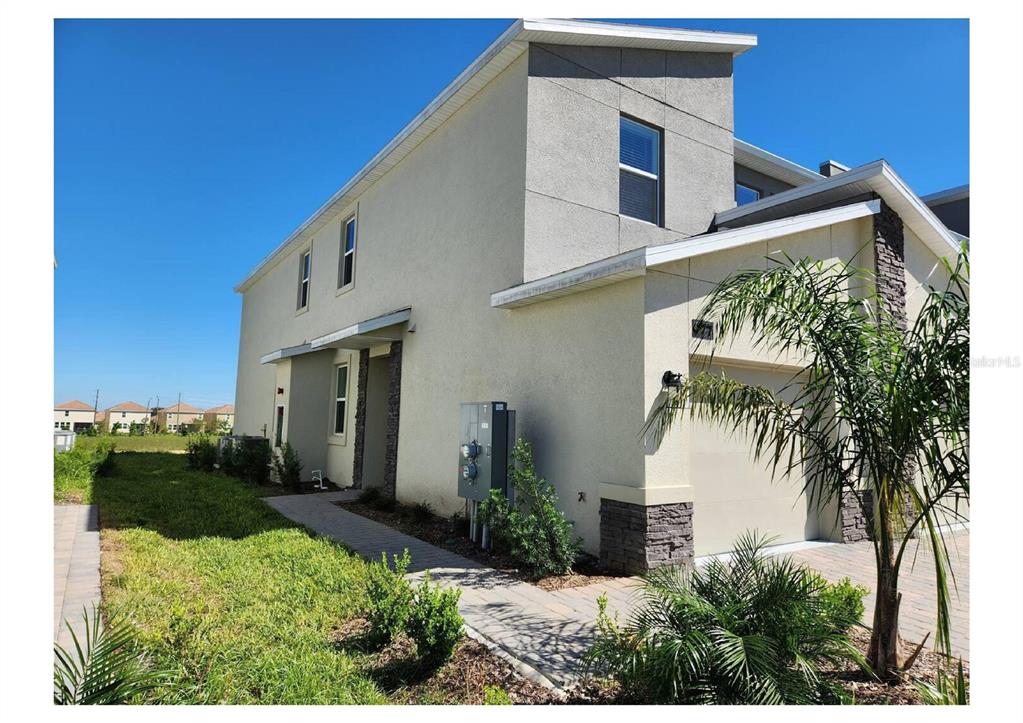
(441, 532)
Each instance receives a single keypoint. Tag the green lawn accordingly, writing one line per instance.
(143, 443)
(234, 597)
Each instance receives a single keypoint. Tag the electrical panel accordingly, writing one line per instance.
(486, 440)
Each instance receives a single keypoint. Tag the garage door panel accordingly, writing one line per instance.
(734, 492)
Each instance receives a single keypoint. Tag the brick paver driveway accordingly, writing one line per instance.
(918, 611)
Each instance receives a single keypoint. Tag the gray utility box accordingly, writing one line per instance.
(486, 439)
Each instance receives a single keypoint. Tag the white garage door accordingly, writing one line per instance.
(733, 491)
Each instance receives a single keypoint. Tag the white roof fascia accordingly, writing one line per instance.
(363, 327)
(599, 273)
(947, 196)
(732, 238)
(587, 32)
(491, 62)
(635, 263)
(881, 179)
(288, 351)
(757, 159)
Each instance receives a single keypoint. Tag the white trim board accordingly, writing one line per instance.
(635, 263)
(490, 63)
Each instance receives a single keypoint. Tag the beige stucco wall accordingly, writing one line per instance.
(73, 417)
(126, 420)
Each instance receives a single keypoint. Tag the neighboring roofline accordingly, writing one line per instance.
(58, 407)
(882, 180)
(635, 263)
(496, 58)
(756, 158)
(958, 193)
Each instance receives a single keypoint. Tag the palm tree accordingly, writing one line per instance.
(879, 409)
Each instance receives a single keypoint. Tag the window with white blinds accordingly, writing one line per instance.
(639, 171)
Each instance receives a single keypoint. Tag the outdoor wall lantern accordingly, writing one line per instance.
(671, 379)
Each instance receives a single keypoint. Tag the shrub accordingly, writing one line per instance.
(945, 690)
(420, 512)
(201, 451)
(374, 497)
(532, 530)
(389, 599)
(493, 695)
(434, 622)
(104, 666)
(250, 460)
(369, 495)
(288, 467)
(842, 603)
(753, 630)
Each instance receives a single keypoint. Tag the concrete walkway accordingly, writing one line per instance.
(75, 567)
(549, 632)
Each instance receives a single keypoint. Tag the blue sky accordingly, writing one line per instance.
(185, 151)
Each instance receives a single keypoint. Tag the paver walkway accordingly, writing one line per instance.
(550, 631)
(75, 567)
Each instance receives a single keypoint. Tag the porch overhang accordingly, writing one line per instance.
(361, 335)
(364, 334)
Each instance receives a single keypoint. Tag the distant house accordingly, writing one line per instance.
(122, 416)
(73, 416)
(171, 419)
(215, 417)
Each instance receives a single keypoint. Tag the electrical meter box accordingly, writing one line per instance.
(486, 439)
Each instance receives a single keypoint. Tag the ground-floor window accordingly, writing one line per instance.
(340, 398)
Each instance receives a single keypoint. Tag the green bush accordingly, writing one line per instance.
(753, 630)
(843, 603)
(434, 622)
(493, 695)
(369, 496)
(75, 470)
(288, 467)
(420, 512)
(532, 530)
(389, 599)
(250, 459)
(201, 451)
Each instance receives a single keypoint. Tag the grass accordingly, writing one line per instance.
(75, 471)
(235, 598)
(142, 443)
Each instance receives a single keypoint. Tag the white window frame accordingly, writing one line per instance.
(342, 287)
(341, 395)
(305, 277)
(659, 213)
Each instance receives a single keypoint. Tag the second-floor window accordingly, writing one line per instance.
(304, 271)
(745, 194)
(639, 171)
(346, 267)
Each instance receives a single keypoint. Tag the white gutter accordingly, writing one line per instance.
(635, 263)
(285, 353)
(751, 156)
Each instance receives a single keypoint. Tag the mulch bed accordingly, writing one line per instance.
(273, 489)
(440, 532)
(867, 691)
(463, 680)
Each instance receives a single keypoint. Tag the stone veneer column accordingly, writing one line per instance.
(637, 538)
(360, 418)
(393, 414)
(890, 281)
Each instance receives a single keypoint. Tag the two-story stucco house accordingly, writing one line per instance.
(219, 417)
(73, 416)
(122, 416)
(544, 233)
(173, 418)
